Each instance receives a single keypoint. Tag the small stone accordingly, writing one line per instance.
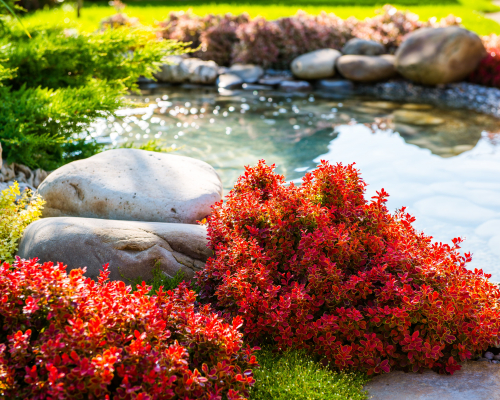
(366, 68)
(229, 81)
(385, 105)
(489, 355)
(248, 73)
(295, 86)
(317, 64)
(273, 80)
(363, 47)
(252, 86)
(335, 85)
(416, 118)
(173, 71)
(497, 357)
(418, 107)
(200, 71)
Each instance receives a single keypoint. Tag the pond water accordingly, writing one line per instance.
(442, 164)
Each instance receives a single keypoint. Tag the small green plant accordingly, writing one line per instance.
(159, 279)
(295, 375)
(16, 213)
(151, 145)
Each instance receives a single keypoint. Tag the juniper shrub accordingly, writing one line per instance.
(320, 268)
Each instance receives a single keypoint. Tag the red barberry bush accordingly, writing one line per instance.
(65, 336)
(318, 267)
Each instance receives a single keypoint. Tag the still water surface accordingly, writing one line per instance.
(442, 164)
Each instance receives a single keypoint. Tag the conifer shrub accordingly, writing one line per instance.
(17, 211)
(318, 267)
(54, 85)
(65, 336)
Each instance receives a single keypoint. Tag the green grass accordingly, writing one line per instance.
(471, 11)
(294, 375)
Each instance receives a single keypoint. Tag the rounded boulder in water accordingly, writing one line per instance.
(133, 185)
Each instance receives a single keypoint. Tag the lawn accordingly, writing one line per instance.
(471, 11)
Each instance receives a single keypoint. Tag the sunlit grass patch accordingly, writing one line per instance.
(294, 375)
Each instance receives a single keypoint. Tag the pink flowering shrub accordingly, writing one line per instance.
(65, 336)
(229, 39)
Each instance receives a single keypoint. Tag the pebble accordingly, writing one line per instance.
(295, 86)
(489, 355)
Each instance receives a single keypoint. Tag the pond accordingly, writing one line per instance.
(442, 164)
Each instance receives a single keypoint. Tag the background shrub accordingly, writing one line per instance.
(16, 213)
(60, 81)
(229, 39)
(67, 336)
(320, 268)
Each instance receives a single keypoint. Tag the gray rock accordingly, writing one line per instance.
(229, 81)
(200, 71)
(133, 185)
(179, 69)
(335, 85)
(253, 86)
(363, 47)
(475, 381)
(248, 73)
(274, 80)
(295, 86)
(173, 71)
(131, 248)
(433, 56)
(317, 64)
(489, 355)
(497, 357)
(366, 68)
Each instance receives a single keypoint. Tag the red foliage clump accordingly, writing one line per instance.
(320, 268)
(65, 336)
(488, 71)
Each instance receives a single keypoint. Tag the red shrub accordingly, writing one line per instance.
(320, 268)
(488, 71)
(68, 337)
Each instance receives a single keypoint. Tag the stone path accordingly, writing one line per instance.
(478, 380)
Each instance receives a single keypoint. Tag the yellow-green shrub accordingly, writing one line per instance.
(16, 213)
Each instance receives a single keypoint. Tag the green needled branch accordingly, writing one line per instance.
(15, 15)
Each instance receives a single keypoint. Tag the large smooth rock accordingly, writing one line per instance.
(475, 381)
(130, 247)
(133, 185)
(366, 68)
(248, 73)
(363, 47)
(317, 64)
(434, 56)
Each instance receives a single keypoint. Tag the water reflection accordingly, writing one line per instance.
(442, 164)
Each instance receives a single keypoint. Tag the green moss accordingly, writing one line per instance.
(294, 375)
